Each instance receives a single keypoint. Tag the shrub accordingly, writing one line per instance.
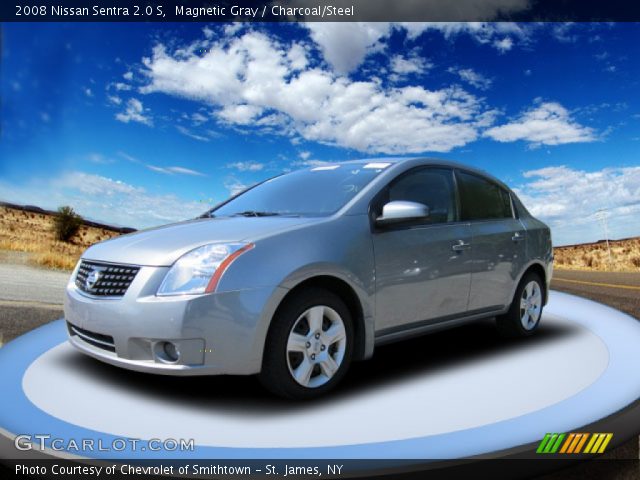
(67, 223)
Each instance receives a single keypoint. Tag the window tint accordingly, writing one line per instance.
(432, 187)
(482, 199)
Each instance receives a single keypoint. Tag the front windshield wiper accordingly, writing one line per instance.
(255, 213)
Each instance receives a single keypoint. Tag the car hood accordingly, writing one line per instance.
(162, 246)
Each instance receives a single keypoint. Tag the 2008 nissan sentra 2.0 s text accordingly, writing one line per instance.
(297, 277)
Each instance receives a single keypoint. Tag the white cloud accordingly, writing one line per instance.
(234, 186)
(503, 45)
(185, 131)
(88, 92)
(134, 113)
(175, 170)
(567, 200)
(308, 163)
(198, 119)
(128, 76)
(166, 170)
(297, 57)
(185, 171)
(246, 166)
(563, 32)
(240, 114)
(345, 45)
(472, 77)
(490, 33)
(413, 63)
(121, 86)
(249, 80)
(305, 155)
(114, 99)
(103, 199)
(98, 158)
(549, 123)
(208, 32)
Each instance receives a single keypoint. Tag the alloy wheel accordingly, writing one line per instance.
(316, 346)
(530, 305)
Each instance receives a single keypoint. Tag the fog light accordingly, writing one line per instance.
(171, 351)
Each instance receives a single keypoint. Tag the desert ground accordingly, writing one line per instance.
(625, 256)
(33, 233)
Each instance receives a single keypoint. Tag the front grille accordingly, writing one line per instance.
(104, 279)
(96, 339)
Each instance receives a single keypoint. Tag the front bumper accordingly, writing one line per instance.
(220, 333)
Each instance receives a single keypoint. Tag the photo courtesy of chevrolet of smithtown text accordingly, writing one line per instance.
(320, 239)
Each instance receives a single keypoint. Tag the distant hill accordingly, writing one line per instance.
(30, 229)
(27, 228)
(88, 223)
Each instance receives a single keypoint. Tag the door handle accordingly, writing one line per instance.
(460, 246)
(517, 237)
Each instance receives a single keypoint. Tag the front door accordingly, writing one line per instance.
(423, 269)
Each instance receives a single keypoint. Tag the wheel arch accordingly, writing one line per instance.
(348, 295)
(539, 269)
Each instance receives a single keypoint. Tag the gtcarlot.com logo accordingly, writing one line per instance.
(45, 441)
(574, 443)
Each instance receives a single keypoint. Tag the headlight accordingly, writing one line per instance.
(199, 270)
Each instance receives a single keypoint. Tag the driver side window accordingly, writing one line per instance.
(432, 187)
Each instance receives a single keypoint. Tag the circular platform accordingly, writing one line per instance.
(450, 395)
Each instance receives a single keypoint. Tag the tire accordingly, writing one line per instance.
(307, 351)
(524, 314)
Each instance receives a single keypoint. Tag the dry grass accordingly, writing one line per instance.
(34, 233)
(625, 256)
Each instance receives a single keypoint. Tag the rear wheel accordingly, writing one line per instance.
(525, 312)
(309, 346)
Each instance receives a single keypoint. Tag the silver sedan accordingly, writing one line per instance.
(298, 276)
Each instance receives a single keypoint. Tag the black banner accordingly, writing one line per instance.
(311, 469)
(319, 10)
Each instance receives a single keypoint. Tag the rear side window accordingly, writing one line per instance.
(481, 199)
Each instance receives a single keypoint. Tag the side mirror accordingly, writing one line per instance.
(400, 211)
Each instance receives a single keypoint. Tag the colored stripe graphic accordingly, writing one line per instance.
(573, 443)
(550, 443)
(543, 443)
(598, 443)
(565, 447)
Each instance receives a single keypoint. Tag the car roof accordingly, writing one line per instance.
(418, 161)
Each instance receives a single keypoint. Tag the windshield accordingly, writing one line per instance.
(319, 191)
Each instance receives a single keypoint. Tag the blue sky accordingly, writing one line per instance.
(144, 124)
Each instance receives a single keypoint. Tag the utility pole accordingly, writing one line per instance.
(602, 215)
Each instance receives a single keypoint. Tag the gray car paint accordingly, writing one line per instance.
(406, 281)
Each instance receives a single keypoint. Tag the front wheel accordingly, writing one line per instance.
(525, 312)
(309, 346)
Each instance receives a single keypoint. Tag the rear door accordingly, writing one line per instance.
(498, 237)
(423, 269)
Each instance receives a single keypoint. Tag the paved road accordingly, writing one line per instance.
(29, 296)
(619, 290)
(29, 284)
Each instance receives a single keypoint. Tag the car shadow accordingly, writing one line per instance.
(391, 364)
